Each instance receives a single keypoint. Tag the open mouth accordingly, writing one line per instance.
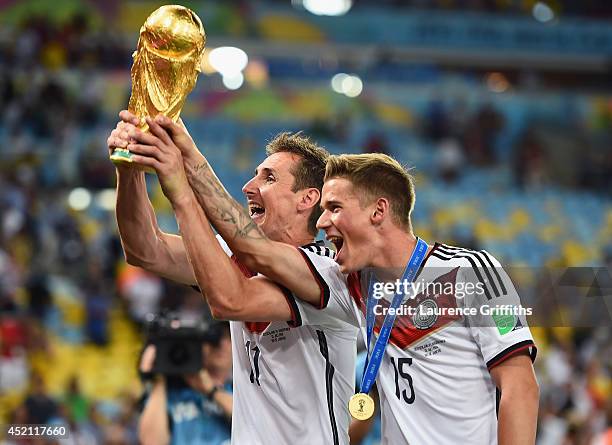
(256, 210)
(337, 241)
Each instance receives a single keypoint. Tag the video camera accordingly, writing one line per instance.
(178, 343)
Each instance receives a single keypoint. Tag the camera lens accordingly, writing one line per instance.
(178, 354)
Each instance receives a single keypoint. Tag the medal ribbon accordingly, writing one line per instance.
(373, 362)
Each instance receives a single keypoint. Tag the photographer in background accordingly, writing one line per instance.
(190, 408)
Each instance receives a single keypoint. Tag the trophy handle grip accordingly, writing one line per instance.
(123, 157)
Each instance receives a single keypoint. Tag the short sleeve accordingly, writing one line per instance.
(497, 320)
(224, 245)
(335, 303)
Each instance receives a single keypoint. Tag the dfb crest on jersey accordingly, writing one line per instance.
(425, 315)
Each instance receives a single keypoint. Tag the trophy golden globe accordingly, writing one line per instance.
(166, 65)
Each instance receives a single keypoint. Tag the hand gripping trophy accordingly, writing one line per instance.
(166, 65)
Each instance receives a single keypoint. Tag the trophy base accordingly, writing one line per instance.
(123, 157)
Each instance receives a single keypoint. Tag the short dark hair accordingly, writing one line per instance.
(309, 172)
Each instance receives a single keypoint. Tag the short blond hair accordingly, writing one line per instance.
(377, 175)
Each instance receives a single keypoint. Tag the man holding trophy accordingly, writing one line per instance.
(293, 365)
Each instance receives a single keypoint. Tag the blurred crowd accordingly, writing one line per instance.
(75, 43)
(592, 8)
(48, 250)
(85, 418)
(565, 152)
(575, 403)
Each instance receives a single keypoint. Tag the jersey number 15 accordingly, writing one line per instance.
(400, 371)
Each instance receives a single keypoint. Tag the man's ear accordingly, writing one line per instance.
(309, 199)
(380, 211)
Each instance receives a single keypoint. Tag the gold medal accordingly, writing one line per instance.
(361, 406)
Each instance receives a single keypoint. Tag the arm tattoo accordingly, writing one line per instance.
(226, 215)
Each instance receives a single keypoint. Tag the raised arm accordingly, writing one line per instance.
(230, 293)
(278, 261)
(144, 244)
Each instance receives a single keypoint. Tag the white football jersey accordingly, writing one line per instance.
(292, 380)
(434, 382)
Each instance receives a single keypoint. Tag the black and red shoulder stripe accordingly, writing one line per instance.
(324, 288)
(526, 345)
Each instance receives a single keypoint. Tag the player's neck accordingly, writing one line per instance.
(294, 238)
(392, 258)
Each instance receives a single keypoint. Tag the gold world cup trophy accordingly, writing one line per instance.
(166, 66)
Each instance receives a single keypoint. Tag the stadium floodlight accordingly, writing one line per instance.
(497, 82)
(542, 12)
(205, 65)
(336, 82)
(79, 199)
(327, 7)
(105, 199)
(347, 84)
(233, 81)
(228, 60)
(352, 86)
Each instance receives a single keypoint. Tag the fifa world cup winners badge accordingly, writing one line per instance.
(166, 65)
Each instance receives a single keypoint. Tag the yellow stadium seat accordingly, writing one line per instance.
(288, 28)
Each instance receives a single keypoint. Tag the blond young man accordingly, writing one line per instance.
(441, 374)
